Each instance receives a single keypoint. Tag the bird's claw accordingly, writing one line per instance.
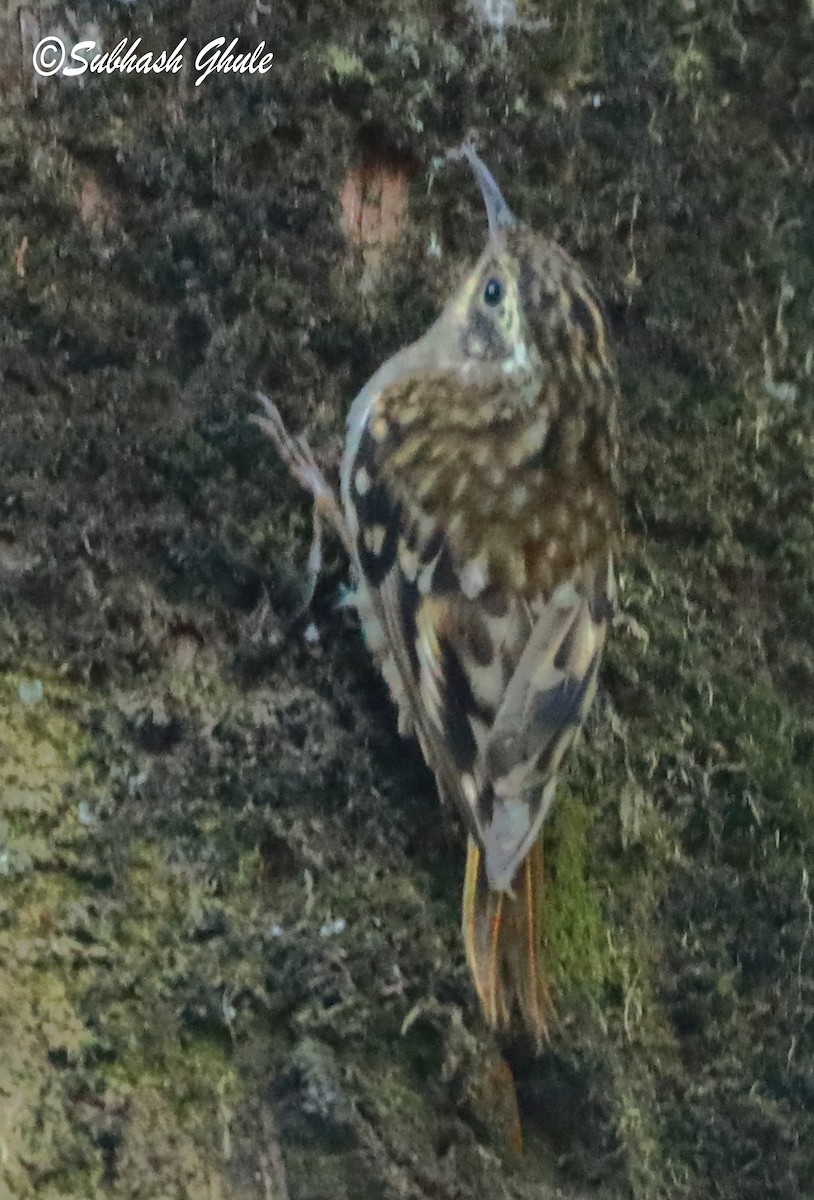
(299, 458)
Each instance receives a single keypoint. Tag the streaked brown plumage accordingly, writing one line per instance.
(480, 512)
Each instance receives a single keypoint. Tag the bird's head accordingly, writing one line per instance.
(526, 308)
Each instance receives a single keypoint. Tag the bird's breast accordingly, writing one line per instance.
(522, 499)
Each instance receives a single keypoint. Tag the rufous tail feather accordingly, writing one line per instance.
(503, 939)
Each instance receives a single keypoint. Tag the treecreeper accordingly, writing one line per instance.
(479, 507)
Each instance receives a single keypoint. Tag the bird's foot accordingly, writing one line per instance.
(298, 457)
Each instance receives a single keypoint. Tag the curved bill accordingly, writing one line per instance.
(499, 214)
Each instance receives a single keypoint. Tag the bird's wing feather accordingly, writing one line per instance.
(495, 685)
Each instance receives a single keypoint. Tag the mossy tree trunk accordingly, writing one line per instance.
(229, 953)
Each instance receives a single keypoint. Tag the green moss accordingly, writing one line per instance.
(42, 748)
(344, 64)
(691, 73)
(575, 933)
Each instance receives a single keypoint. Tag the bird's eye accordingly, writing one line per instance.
(493, 292)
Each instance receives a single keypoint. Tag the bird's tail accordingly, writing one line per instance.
(503, 938)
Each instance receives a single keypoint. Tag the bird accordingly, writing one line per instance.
(479, 505)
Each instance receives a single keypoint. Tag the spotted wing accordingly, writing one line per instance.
(495, 684)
